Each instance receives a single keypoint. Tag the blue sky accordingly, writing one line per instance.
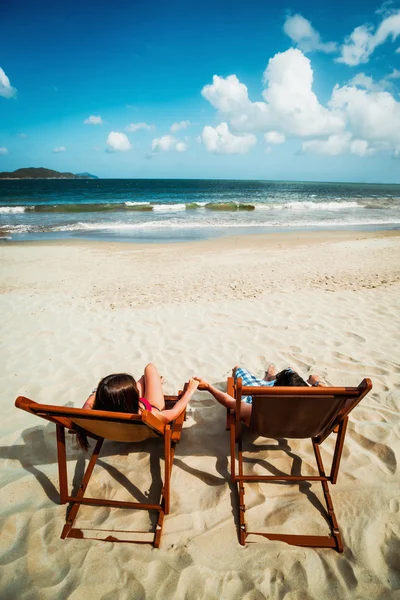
(133, 70)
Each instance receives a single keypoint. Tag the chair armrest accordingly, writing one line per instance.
(230, 389)
(177, 425)
(170, 401)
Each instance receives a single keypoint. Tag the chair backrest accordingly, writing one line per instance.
(118, 427)
(300, 412)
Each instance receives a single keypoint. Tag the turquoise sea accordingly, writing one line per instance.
(171, 210)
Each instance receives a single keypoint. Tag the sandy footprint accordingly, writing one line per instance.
(355, 336)
(381, 454)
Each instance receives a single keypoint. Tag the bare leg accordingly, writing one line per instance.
(153, 387)
(141, 386)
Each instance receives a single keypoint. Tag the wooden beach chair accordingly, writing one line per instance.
(120, 427)
(294, 412)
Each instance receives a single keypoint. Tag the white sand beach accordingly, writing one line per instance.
(72, 312)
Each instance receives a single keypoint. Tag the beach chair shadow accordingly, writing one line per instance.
(125, 431)
(282, 445)
(204, 439)
(292, 413)
(201, 439)
(39, 449)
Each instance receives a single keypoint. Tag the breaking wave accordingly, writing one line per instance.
(83, 207)
(177, 224)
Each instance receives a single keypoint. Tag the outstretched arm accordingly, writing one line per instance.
(222, 397)
(225, 399)
(169, 415)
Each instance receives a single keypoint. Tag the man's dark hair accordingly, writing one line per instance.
(287, 377)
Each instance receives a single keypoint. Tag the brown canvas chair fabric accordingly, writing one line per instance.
(120, 427)
(294, 412)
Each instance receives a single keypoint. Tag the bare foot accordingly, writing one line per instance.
(270, 373)
(315, 379)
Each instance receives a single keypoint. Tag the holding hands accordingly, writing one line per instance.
(202, 384)
(193, 384)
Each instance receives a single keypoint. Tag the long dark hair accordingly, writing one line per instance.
(115, 393)
(288, 377)
(118, 393)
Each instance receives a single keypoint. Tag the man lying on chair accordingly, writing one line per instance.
(287, 377)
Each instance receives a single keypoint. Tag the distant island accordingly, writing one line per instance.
(40, 173)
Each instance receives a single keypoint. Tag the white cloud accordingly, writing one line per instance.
(274, 137)
(336, 144)
(372, 120)
(133, 127)
(168, 143)
(59, 149)
(305, 36)
(362, 80)
(291, 100)
(290, 104)
(3, 150)
(367, 82)
(374, 116)
(360, 118)
(395, 74)
(397, 51)
(93, 120)
(118, 142)
(178, 126)
(228, 95)
(386, 8)
(221, 141)
(181, 147)
(6, 90)
(361, 43)
(361, 148)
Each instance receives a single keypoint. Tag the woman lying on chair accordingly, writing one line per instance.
(122, 393)
(287, 377)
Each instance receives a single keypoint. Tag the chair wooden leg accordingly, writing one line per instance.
(159, 525)
(328, 500)
(338, 450)
(76, 501)
(233, 449)
(62, 463)
(242, 510)
(167, 468)
(242, 506)
(82, 488)
(314, 541)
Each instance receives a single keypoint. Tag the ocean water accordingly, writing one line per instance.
(170, 210)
